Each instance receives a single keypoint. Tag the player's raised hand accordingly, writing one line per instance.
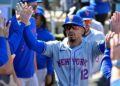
(115, 22)
(19, 8)
(25, 12)
(108, 37)
(4, 29)
(1, 25)
(115, 47)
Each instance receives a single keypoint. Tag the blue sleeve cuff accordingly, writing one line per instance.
(50, 72)
(50, 65)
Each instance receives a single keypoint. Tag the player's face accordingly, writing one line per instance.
(87, 24)
(74, 32)
(38, 20)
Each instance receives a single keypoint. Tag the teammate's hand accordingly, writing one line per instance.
(24, 12)
(115, 22)
(1, 25)
(115, 47)
(4, 29)
(108, 38)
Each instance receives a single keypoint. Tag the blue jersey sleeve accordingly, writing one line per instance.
(106, 64)
(3, 51)
(101, 46)
(52, 38)
(49, 66)
(15, 34)
(32, 42)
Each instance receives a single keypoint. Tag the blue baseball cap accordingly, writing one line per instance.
(39, 10)
(29, 1)
(87, 13)
(74, 20)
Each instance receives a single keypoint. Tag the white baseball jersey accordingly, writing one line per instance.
(95, 35)
(97, 26)
(72, 65)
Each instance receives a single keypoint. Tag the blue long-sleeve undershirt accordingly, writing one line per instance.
(15, 34)
(106, 64)
(32, 42)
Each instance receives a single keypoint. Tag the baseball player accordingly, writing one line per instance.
(90, 16)
(44, 64)
(6, 57)
(91, 34)
(24, 59)
(72, 59)
(3, 44)
(101, 8)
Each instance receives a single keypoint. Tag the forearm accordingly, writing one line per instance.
(6, 69)
(31, 42)
(106, 64)
(115, 74)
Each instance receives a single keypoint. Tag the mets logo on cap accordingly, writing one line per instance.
(71, 18)
(87, 13)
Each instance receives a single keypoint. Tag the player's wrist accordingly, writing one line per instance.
(116, 63)
(115, 74)
(27, 23)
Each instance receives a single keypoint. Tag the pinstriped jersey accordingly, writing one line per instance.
(95, 35)
(72, 65)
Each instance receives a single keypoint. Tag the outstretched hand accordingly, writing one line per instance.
(4, 29)
(24, 12)
(108, 37)
(115, 22)
(115, 47)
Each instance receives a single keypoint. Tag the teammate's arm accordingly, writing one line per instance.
(50, 72)
(15, 37)
(106, 64)
(33, 43)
